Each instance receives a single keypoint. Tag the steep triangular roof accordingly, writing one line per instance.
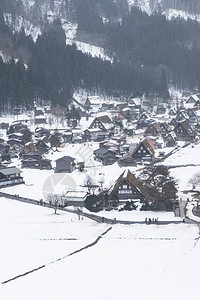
(105, 119)
(187, 127)
(132, 179)
(147, 145)
(155, 126)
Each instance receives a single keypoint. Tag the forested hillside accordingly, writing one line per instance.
(149, 52)
(154, 42)
(54, 70)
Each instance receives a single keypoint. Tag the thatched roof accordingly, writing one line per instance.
(127, 175)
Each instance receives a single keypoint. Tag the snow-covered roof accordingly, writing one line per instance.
(10, 171)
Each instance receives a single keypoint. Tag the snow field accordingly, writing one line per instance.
(33, 235)
(129, 262)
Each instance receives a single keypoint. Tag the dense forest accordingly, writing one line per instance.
(150, 52)
(54, 70)
(154, 42)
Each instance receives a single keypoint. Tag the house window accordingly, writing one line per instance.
(139, 151)
(124, 186)
(125, 192)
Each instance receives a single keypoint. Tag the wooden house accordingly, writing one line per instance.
(127, 186)
(28, 147)
(165, 128)
(107, 157)
(181, 116)
(65, 164)
(135, 103)
(10, 176)
(17, 127)
(153, 129)
(143, 121)
(170, 139)
(33, 154)
(42, 146)
(94, 134)
(173, 122)
(143, 152)
(87, 104)
(35, 160)
(41, 132)
(184, 131)
(104, 123)
(193, 99)
(35, 163)
(193, 115)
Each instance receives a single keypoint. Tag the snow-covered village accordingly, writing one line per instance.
(99, 149)
(67, 183)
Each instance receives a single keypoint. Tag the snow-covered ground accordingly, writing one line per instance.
(129, 262)
(32, 236)
(185, 163)
(185, 156)
(93, 50)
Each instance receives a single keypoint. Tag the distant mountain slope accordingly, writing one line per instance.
(144, 51)
(81, 19)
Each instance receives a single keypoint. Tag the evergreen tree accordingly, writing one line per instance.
(161, 187)
(93, 203)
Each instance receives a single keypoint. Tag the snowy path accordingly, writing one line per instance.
(93, 217)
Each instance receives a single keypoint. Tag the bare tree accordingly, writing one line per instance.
(195, 180)
(55, 200)
(88, 182)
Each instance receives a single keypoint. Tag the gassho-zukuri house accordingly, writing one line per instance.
(127, 186)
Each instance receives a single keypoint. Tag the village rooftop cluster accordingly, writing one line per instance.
(126, 136)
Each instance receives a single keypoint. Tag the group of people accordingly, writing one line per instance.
(149, 220)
